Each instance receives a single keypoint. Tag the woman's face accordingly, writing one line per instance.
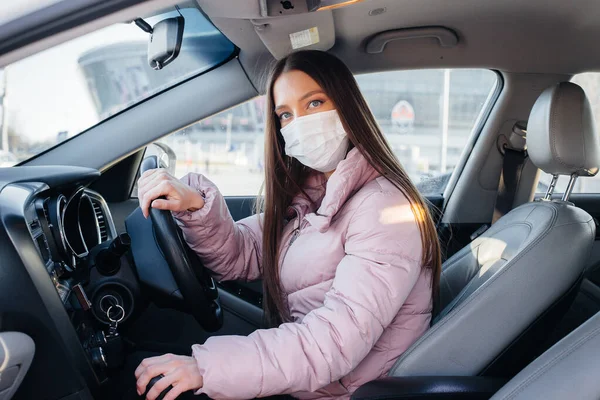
(296, 94)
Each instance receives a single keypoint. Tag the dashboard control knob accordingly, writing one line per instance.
(108, 261)
(121, 244)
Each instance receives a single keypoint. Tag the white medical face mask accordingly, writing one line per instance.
(316, 140)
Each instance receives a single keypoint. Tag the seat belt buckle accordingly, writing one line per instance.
(516, 141)
(480, 231)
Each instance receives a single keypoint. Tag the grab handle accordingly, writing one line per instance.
(446, 37)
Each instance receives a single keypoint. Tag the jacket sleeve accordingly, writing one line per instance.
(232, 251)
(372, 281)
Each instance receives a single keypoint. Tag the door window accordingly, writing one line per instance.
(427, 117)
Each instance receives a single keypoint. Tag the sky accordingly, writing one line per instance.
(47, 93)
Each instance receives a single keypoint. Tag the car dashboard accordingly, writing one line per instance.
(64, 228)
(52, 287)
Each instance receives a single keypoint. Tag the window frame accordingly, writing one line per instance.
(476, 132)
(466, 152)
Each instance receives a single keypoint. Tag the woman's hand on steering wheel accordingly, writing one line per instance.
(178, 196)
(160, 194)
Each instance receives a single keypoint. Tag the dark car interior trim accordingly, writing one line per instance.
(55, 19)
(429, 387)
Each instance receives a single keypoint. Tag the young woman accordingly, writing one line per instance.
(344, 243)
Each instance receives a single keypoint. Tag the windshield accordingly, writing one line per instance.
(60, 92)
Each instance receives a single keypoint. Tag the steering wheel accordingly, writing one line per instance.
(197, 287)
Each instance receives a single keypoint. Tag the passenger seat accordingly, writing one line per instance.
(504, 293)
(569, 370)
(501, 294)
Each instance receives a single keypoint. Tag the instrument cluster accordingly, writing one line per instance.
(68, 227)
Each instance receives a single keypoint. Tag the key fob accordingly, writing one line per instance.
(152, 382)
(114, 351)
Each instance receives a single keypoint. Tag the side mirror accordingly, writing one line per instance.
(165, 42)
(167, 158)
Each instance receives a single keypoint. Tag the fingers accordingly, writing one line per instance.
(147, 375)
(180, 372)
(175, 392)
(151, 367)
(188, 378)
(161, 204)
(143, 181)
(147, 176)
(162, 384)
(163, 189)
(150, 179)
(154, 176)
(147, 191)
(148, 362)
(157, 183)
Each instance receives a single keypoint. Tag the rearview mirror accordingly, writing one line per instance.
(165, 42)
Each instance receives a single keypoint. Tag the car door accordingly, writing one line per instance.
(16, 353)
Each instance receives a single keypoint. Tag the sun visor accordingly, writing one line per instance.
(282, 36)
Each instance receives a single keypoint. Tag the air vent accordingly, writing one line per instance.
(101, 221)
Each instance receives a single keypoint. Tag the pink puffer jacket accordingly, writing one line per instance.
(351, 270)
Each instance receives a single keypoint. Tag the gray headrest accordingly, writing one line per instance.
(561, 133)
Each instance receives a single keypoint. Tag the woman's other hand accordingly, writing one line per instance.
(181, 372)
(178, 196)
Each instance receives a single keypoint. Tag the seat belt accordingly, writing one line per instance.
(514, 150)
(512, 168)
(515, 155)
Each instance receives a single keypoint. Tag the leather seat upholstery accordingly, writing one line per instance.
(496, 288)
(569, 370)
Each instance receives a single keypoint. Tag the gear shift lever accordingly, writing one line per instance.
(152, 382)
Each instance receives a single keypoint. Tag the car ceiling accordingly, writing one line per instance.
(501, 36)
(533, 36)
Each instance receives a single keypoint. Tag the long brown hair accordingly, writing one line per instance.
(285, 176)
